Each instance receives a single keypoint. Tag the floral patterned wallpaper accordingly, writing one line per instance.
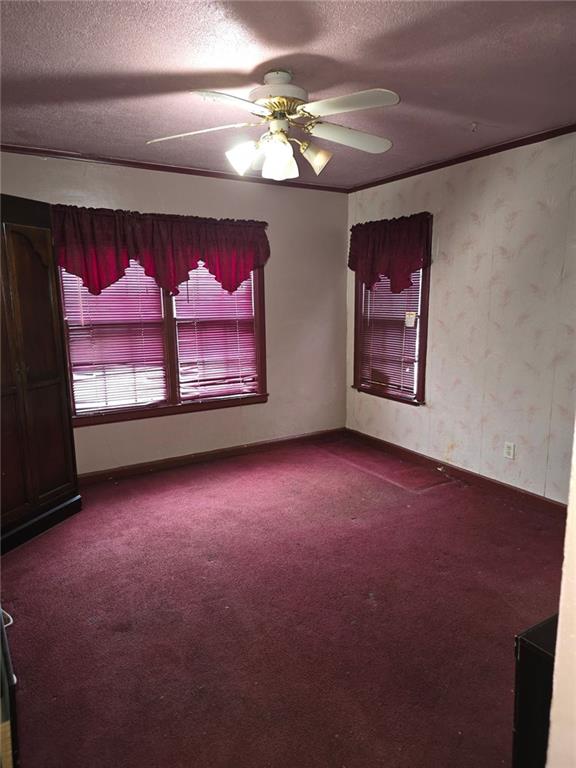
(502, 335)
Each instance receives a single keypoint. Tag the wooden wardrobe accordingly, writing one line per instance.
(39, 481)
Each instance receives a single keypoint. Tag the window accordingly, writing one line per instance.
(134, 351)
(390, 339)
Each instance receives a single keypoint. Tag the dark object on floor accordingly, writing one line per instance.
(534, 671)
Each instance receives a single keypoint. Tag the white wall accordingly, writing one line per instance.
(305, 283)
(501, 356)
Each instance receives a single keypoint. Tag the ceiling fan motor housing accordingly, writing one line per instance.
(278, 93)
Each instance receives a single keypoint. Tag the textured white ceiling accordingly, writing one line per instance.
(100, 78)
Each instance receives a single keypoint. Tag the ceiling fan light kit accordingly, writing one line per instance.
(284, 107)
(272, 154)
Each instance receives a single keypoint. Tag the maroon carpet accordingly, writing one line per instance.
(287, 609)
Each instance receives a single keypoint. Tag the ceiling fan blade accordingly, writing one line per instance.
(375, 97)
(349, 137)
(204, 130)
(233, 101)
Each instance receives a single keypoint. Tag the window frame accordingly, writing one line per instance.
(380, 390)
(173, 406)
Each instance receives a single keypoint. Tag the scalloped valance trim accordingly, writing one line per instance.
(97, 244)
(393, 248)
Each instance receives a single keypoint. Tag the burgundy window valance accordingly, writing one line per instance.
(96, 244)
(394, 248)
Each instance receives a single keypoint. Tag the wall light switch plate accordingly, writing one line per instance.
(410, 319)
(509, 450)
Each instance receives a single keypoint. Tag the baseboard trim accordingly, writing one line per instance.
(518, 495)
(41, 524)
(132, 470)
(527, 498)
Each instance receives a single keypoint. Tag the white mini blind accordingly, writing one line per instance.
(216, 337)
(388, 347)
(116, 342)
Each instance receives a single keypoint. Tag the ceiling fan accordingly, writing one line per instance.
(284, 107)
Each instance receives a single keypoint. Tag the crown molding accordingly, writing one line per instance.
(533, 138)
(63, 155)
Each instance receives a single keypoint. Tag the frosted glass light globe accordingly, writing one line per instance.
(242, 156)
(279, 162)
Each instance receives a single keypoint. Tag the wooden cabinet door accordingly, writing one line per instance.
(17, 492)
(35, 301)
